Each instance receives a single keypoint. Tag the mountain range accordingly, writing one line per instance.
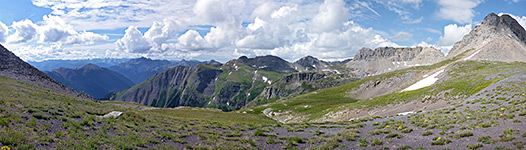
(386, 98)
(91, 79)
(140, 69)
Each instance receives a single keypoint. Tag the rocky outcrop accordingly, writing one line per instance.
(91, 79)
(369, 62)
(497, 38)
(311, 63)
(15, 68)
(299, 83)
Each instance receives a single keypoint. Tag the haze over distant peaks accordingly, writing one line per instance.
(91, 79)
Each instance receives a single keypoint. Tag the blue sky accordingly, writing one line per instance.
(226, 29)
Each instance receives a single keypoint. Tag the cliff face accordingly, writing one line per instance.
(299, 83)
(369, 62)
(91, 79)
(497, 38)
(15, 68)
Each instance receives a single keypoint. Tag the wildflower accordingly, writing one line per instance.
(438, 138)
(492, 105)
(425, 121)
(500, 114)
(399, 127)
(522, 94)
(387, 126)
(501, 108)
(376, 123)
(6, 148)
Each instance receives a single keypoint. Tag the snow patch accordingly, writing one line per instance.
(314, 66)
(427, 81)
(265, 79)
(405, 113)
(113, 114)
(470, 56)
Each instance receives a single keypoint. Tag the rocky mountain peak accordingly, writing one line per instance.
(386, 59)
(494, 30)
(268, 62)
(363, 53)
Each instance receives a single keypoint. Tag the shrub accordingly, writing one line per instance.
(376, 142)
(461, 135)
(41, 116)
(472, 146)
(427, 133)
(392, 135)
(259, 132)
(485, 140)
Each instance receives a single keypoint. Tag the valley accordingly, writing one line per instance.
(386, 98)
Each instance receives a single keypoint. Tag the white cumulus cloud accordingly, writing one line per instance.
(133, 41)
(460, 11)
(25, 30)
(452, 34)
(53, 29)
(192, 40)
(4, 31)
(331, 16)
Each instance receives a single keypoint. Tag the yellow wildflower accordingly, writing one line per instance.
(500, 114)
(501, 108)
(399, 127)
(425, 121)
(438, 138)
(492, 105)
(387, 126)
(522, 94)
(376, 123)
(6, 148)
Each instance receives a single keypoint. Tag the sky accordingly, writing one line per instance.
(331, 30)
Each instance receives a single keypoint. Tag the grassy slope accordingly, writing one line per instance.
(467, 79)
(33, 117)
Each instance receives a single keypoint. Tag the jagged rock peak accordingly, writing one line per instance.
(494, 27)
(400, 53)
(505, 21)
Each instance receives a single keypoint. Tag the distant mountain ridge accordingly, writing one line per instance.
(15, 68)
(140, 69)
(54, 64)
(91, 79)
